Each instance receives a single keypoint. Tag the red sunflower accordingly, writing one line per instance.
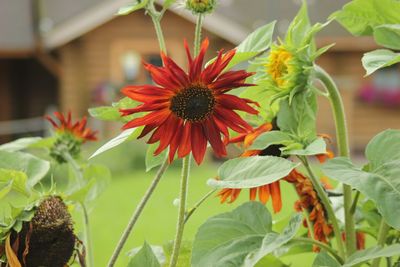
(77, 129)
(189, 110)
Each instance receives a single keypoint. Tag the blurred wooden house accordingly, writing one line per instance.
(76, 54)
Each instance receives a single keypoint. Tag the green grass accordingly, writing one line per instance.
(113, 208)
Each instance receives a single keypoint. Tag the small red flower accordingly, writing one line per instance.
(188, 110)
(77, 129)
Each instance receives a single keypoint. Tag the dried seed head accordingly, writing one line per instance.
(48, 239)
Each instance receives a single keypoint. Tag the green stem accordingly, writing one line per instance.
(344, 151)
(197, 35)
(156, 18)
(192, 210)
(327, 205)
(355, 201)
(319, 244)
(88, 239)
(382, 233)
(182, 208)
(138, 211)
(79, 178)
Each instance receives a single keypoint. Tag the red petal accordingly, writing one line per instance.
(214, 137)
(230, 80)
(232, 120)
(185, 145)
(234, 102)
(154, 117)
(198, 142)
(162, 77)
(145, 107)
(221, 126)
(147, 93)
(175, 71)
(176, 139)
(196, 66)
(189, 56)
(276, 196)
(168, 130)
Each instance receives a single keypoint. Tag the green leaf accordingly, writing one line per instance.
(270, 138)
(144, 257)
(123, 137)
(20, 144)
(378, 59)
(17, 181)
(388, 36)
(137, 4)
(105, 113)
(270, 260)
(360, 17)
(226, 239)
(324, 260)
(251, 172)
(6, 189)
(168, 3)
(381, 182)
(257, 42)
(35, 168)
(273, 241)
(298, 118)
(318, 146)
(97, 178)
(154, 161)
(299, 27)
(372, 253)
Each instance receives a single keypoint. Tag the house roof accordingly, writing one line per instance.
(63, 21)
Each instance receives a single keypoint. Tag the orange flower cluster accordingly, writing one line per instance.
(309, 201)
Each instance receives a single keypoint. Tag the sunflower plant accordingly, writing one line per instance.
(37, 200)
(268, 111)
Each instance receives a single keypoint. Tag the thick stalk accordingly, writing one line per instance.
(197, 35)
(318, 244)
(79, 178)
(181, 214)
(327, 205)
(344, 151)
(382, 233)
(138, 211)
(159, 32)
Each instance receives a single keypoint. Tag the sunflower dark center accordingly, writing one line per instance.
(193, 104)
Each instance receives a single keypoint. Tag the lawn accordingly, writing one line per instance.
(157, 223)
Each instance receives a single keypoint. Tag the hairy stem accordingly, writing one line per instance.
(344, 151)
(138, 211)
(181, 214)
(382, 233)
(319, 244)
(156, 18)
(197, 35)
(195, 207)
(327, 205)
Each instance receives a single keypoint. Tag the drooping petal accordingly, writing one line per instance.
(214, 137)
(198, 142)
(176, 139)
(185, 145)
(234, 102)
(275, 190)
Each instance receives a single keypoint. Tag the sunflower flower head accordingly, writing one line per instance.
(69, 136)
(200, 6)
(187, 110)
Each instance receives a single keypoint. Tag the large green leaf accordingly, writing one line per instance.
(144, 257)
(361, 16)
(123, 137)
(378, 59)
(298, 117)
(324, 260)
(226, 239)
(35, 168)
(379, 180)
(273, 241)
(318, 146)
(105, 113)
(257, 42)
(372, 253)
(251, 172)
(20, 144)
(270, 138)
(154, 161)
(388, 35)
